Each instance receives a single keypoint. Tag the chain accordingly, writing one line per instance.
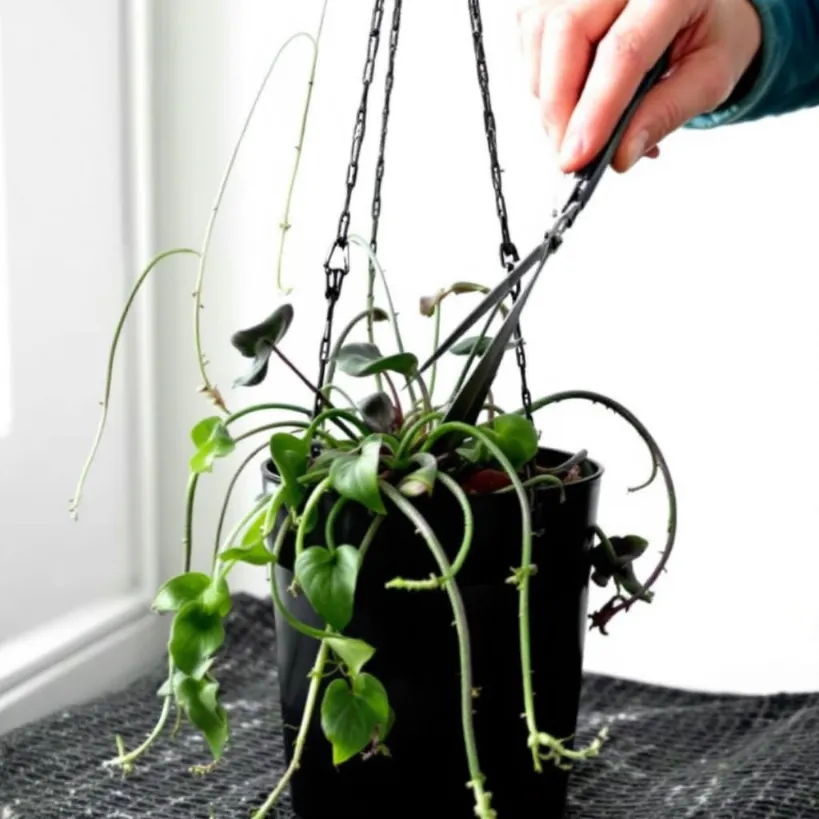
(508, 252)
(385, 116)
(336, 270)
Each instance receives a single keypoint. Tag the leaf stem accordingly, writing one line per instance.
(309, 506)
(355, 239)
(109, 373)
(329, 526)
(483, 808)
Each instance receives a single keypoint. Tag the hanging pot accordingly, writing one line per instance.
(416, 656)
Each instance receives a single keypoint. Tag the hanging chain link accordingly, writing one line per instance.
(336, 269)
(385, 117)
(508, 252)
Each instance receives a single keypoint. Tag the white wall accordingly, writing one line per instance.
(73, 596)
(686, 291)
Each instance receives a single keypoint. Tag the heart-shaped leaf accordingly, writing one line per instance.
(355, 477)
(517, 438)
(328, 580)
(290, 454)
(480, 344)
(362, 359)
(351, 717)
(355, 654)
(258, 370)
(271, 331)
(619, 565)
(180, 590)
(422, 480)
(257, 554)
(196, 634)
(199, 699)
(212, 440)
(378, 412)
(258, 342)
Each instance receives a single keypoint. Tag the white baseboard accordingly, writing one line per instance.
(97, 650)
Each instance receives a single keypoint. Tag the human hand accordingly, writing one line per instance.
(587, 57)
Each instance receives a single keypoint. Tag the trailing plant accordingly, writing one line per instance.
(389, 444)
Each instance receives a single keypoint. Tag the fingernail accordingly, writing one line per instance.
(637, 148)
(571, 149)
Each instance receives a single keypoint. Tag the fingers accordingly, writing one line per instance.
(626, 52)
(557, 39)
(566, 51)
(699, 83)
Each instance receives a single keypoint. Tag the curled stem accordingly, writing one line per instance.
(74, 503)
(207, 387)
(483, 808)
(659, 465)
(439, 582)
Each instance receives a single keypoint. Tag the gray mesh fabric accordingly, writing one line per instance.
(671, 754)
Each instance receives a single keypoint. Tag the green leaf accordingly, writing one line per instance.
(272, 330)
(517, 438)
(258, 369)
(362, 359)
(199, 699)
(422, 480)
(328, 580)
(290, 454)
(212, 440)
(257, 554)
(197, 633)
(216, 597)
(258, 342)
(255, 530)
(352, 717)
(355, 477)
(378, 412)
(180, 590)
(355, 654)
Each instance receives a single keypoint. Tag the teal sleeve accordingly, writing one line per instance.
(785, 74)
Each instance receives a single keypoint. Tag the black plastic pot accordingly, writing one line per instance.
(417, 657)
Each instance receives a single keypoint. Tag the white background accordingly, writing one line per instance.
(686, 291)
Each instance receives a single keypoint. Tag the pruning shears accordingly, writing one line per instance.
(470, 399)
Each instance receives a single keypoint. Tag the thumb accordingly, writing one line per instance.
(698, 83)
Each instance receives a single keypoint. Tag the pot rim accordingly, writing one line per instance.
(269, 471)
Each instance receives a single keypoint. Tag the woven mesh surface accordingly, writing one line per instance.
(671, 754)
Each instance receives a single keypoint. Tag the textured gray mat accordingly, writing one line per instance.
(671, 754)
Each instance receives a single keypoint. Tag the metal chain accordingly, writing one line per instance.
(508, 252)
(336, 270)
(385, 116)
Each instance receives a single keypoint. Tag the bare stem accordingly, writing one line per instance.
(109, 375)
(207, 387)
(483, 808)
(285, 223)
(301, 738)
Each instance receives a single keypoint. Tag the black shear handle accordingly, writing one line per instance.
(589, 176)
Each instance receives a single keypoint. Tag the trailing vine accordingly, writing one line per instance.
(375, 459)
